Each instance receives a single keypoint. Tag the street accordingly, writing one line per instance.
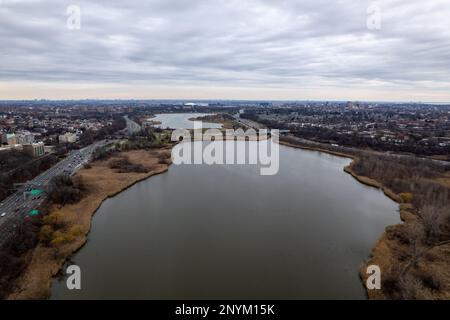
(132, 127)
(248, 123)
(17, 206)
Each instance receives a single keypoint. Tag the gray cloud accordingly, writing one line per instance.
(257, 43)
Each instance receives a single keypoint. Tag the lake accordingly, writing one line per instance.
(226, 232)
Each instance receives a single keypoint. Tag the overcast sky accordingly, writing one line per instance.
(228, 49)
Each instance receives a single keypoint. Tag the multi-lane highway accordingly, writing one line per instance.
(248, 123)
(132, 127)
(18, 205)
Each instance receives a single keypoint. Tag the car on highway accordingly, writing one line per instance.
(3, 214)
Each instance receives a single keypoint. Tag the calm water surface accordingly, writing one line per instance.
(225, 232)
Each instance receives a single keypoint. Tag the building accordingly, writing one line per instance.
(25, 138)
(9, 139)
(34, 149)
(12, 147)
(68, 138)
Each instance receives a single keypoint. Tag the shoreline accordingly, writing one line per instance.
(47, 262)
(380, 254)
(387, 251)
(215, 118)
(348, 169)
(42, 289)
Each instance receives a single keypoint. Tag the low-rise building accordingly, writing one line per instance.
(68, 138)
(9, 139)
(25, 138)
(34, 149)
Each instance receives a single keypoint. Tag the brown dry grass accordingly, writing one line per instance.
(388, 251)
(102, 182)
(445, 181)
(373, 183)
(381, 256)
(432, 263)
(298, 146)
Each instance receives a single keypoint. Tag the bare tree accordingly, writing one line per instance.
(433, 217)
(416, 235)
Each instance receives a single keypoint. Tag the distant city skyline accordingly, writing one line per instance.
(203, 101)
(217, 49)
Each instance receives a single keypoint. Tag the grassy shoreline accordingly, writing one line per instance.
(35, 283)
(380, 251)
(104, 183)
(385, 252)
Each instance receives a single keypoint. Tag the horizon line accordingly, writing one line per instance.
(222, 99)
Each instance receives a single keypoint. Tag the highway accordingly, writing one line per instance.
(16, 207)
(132, 127)
(248, 123)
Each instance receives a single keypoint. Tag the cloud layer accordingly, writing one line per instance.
(298, 46)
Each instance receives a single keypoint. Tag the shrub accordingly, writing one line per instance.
(406, 197)
(12, 254)
(76, 230)
(58, 241)
(63, 190)
(60, 238)
(431, 282)
(165, 158)
(54, 219)
(46, 234)
(124, 165)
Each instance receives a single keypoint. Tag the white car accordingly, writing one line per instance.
(3, 214)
